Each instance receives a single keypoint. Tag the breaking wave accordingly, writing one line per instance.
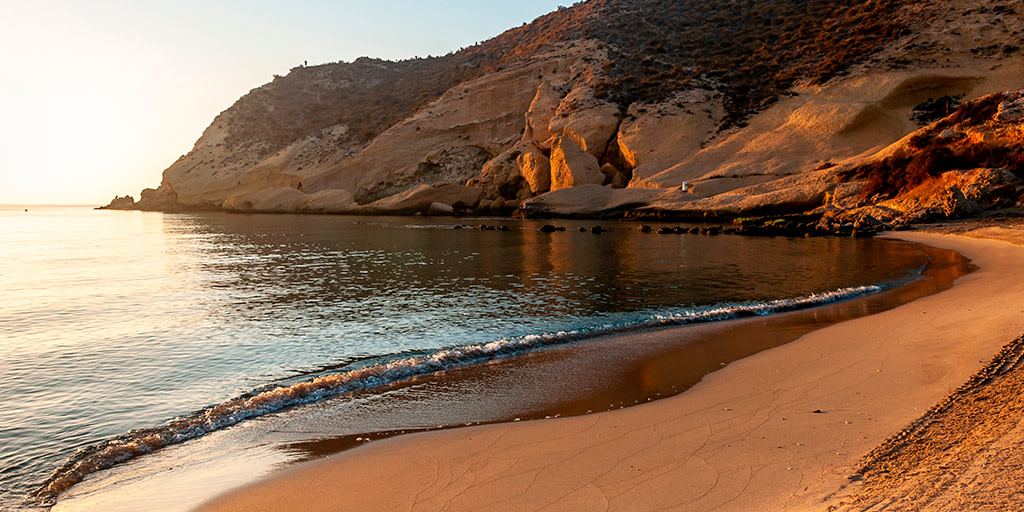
(376, 373)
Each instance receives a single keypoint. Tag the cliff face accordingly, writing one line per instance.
(610, 108)
(959, 166)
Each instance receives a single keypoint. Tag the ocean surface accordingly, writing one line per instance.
(122, 333)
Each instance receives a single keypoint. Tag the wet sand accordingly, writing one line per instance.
(784, 429)
(599, 374)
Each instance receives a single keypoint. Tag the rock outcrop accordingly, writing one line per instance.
(953, 195)
(569, 117)
(586, 121)
(942, 171)
(540, 114)
(572, 166)
(536, 170)
(420, 198)
(330, 201)
(266, 200)
(120, 203)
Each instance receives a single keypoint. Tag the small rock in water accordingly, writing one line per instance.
(596, 230)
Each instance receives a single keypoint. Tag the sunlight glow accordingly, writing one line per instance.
(98, 98)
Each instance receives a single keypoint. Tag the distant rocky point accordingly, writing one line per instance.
(880, 114)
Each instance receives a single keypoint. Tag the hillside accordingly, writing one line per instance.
(607, 108)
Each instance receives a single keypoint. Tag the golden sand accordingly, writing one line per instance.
(785, 429)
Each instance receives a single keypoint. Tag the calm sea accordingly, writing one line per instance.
(123, 332)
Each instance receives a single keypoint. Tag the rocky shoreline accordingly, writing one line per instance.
(924, 126)
(956, 177)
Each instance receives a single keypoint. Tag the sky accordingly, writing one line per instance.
(98, 97)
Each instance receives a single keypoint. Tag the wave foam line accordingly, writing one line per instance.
(135, 443)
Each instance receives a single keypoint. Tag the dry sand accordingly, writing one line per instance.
(783, 430)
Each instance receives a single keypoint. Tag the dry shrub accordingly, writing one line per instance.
(973, 112)
(750, 51)
(901, 172)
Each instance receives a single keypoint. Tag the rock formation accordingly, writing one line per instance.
(572, 165)
(573, 115)
(956, 167)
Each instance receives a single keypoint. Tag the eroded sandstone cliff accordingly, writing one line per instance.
(586, 113)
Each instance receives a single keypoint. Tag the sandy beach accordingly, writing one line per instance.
(790, 428)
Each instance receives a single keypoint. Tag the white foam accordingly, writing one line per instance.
(139, 442)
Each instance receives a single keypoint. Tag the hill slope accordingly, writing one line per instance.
(603, 108)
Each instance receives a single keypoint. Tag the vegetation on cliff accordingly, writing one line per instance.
(645, 108)
(750, 51)
(970, 138)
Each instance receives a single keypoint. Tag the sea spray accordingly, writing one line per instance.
(372, 375)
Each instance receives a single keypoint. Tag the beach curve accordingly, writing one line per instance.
(782, 430)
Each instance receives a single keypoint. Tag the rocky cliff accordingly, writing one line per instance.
(640, 108)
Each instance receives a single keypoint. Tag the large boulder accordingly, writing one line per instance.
(440, 209)
(789, 194)
(330, 201)
(419, 198)
(589, 122)
(542, 111)
(536, 169)
(501, 176)
(589, 200)
(1012, 109)
(571, 166)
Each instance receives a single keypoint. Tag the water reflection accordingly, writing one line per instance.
(218, 305)
(595, 375)
(404, 284)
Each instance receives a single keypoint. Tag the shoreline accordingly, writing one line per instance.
(611, 371)
(790, 439)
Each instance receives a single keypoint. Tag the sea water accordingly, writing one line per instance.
(122, 333)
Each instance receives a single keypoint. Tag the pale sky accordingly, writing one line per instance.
(98, 97)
